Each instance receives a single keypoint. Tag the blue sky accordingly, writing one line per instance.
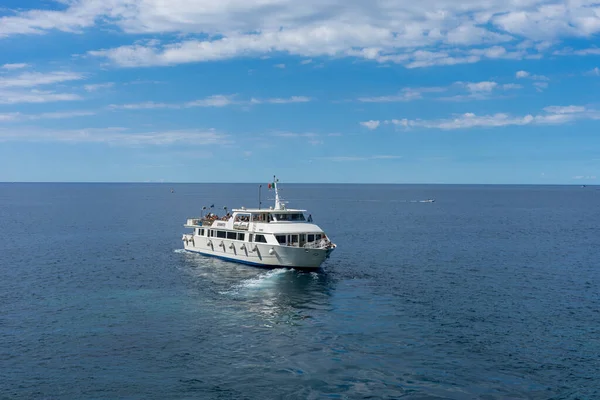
(451, 91)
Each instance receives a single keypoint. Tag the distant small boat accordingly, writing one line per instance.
(172, 191)
(427, 201)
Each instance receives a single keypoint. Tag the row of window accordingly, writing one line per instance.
(231, 235)
(293, 239)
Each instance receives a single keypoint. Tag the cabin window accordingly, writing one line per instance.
(221, 234)
(260, 239)
(231, 235)
(294, 240)
(241, 236)
(280, 239)
(318, 237)
(311, 238)
(211, 233)
(303, 238)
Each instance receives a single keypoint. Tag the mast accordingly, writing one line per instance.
(278, 204)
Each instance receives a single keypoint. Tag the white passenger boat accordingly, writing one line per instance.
(273, 237)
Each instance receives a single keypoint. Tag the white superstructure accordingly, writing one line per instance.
(273, 237)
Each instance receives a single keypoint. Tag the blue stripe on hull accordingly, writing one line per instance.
(249, 262)
(235, 260)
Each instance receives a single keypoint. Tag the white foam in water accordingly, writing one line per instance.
(179, 251)
(262, 281)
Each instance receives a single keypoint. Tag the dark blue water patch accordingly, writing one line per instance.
(490, 292)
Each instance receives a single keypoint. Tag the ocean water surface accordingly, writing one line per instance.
(490, 292)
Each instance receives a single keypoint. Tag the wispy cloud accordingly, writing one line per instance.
(31, 79)
(585, 177)
(372, 124)
(359, 158)
(483, 90)
(527, 75)
(553, 115)
(406, 94)
(280, 66)
(280, 100)
(311, 137)
(35, 96)
(17, 116)
(212, 101)
(14, 66)
(593, 72)
(9, 116)
(116, 136)
(98, 86)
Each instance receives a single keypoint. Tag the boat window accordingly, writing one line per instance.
(260, 239)
(232, 235)
(280, 239)
(201, 231)
(297, 217)
(311, 238)
(318, 237)
(221, 234)
(294, 240)
(302, 237)
(241, 236)
(211, 233)
(242, 218)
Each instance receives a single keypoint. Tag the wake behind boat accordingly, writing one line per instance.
(273, 237)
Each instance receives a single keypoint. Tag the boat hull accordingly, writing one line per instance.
(258, 254)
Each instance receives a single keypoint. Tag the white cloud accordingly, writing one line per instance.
(35, 96)
(359, 158)
(116, 136)
(379, 30)
(406, 94)
(540, 86)
(218, 100)
(31, 79)
(97, 86)
(304, 62)
(14, 66)
(370, 124)
(594, 72)
(281, 66)
(480, 87)
(552, 115)
(280, 100)
(484, 90)
(213, 101)
(10, 117)
(522, 74)
(510, 86)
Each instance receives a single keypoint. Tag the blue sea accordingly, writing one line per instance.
(490, 292)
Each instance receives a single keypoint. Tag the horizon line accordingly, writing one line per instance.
(299, 183)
